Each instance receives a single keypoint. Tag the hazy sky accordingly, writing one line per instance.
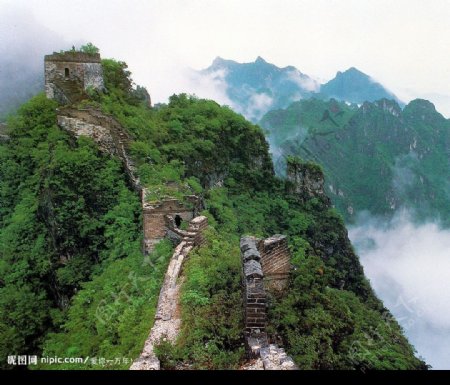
(404, 44)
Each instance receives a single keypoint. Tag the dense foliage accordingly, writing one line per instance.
(109, 318)
(74, 282)
(211, 309)
(65, 213)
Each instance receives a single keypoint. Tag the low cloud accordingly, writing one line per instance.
(23, 45)
(278, 149)
(303, 81)
(207, 85)
(409, 268)
(403, 176)
(258, 105)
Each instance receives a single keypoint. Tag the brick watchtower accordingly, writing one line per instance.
(69, 74)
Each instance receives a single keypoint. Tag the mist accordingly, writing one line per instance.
(408, 265)
(405, 51)
(23, 44)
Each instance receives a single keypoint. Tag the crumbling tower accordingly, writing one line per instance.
(69, 74)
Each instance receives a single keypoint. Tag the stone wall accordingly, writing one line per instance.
(253, 252)
(193, 234)
(69, 74)
(74, 56)
(254, 292)
(158, 219)
(266, 266)
(275, 261)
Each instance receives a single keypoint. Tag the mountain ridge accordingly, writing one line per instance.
(256, 87)
(71, 235)
(376, 157)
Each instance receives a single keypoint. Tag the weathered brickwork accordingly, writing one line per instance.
(275, 261)
(68, 75)
(257, 258)
(266, 265)
(159, 219)
(254, 293)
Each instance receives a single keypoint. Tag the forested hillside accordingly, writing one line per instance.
(376, 157)
(74, 282)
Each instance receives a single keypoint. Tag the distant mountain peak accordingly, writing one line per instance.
(423, 103)
(258, 86)
(355, 86)
(218, 60)
(352, 71)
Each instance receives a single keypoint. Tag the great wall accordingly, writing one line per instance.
(265, 262)
(167, 318)
(265, 267)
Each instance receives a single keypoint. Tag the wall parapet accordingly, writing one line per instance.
(275, 261)
(256, 257)
(73, 56)
(255, 301)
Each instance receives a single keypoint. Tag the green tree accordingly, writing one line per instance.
(89, 48)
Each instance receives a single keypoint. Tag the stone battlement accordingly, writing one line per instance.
(163, 219)
(257, 255)
(255, 300)
(265, 266)
(74, 57)
(69, 75)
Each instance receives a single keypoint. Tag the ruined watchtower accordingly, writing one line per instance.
(69, 74)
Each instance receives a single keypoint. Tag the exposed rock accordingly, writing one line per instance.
(252, 269)
(255, 364)
(307, 180)
(4, 137)
(251, 254)
(275, 358)
(106, 132)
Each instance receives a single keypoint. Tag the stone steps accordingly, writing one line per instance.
(70, 89)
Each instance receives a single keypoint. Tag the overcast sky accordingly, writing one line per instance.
(404, 44)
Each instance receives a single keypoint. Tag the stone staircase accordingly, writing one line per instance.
(70, 89)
